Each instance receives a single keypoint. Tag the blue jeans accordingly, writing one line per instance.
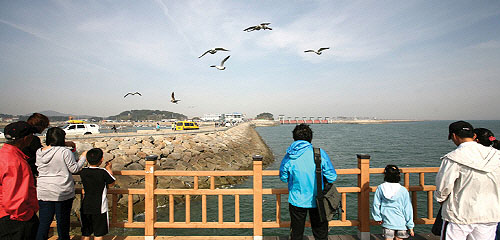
(62, 210)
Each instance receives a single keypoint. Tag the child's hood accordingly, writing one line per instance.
(390, 190)
(45, 156)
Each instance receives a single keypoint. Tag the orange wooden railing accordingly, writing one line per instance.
(150, 193)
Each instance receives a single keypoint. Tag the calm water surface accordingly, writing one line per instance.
(415, 144)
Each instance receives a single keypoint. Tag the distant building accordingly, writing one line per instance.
(212, 117)
(169, 120)
(234, 117)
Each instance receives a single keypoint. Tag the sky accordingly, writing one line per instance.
(427, 60)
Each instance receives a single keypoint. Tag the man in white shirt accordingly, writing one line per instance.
(468, 187)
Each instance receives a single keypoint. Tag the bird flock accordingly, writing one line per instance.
(173, 100)
(262, 26)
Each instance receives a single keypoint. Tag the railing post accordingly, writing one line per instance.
(257, 197)
(364, 196)
(149, 198)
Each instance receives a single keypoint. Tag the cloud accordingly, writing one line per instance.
(30, 31)
(165, 11)
(360, 31)
(41, 36)
(491, 44)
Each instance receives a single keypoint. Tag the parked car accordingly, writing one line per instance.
(186, 125)
(81, 129)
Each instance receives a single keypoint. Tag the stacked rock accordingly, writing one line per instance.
(221, 150)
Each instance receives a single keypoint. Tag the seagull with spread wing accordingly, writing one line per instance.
(319, 50)
(262, 26)
(136, 93)
(213, 51)
(221, 67)
(173, 100)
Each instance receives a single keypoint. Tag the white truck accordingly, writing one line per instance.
(81, 129)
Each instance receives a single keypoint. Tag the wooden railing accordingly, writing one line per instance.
(150, 193)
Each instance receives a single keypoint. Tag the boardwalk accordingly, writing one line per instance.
(331, 237)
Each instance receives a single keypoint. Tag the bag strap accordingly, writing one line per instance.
(319, 188)
(317, 161)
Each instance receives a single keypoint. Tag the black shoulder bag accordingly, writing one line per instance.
(328, 200)
(437, 227)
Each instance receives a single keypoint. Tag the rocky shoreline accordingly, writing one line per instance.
(231, 149)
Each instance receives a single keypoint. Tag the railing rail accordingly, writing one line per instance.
(150, 193)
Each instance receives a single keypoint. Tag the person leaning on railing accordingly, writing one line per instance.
(298, 170)
(55, 185)
(468, 187)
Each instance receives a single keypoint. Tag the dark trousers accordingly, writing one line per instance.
(62, 210)
(298, 221)
(18, 230)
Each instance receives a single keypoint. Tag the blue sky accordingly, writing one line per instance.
(387, 59)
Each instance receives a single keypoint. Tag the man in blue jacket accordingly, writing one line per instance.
(298, 170)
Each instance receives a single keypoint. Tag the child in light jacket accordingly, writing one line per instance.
(392, 207)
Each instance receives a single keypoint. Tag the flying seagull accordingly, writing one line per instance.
(213, 51)
(262, 26)
(136, 93)
(173, 100)
(319, 50)
(221, 67)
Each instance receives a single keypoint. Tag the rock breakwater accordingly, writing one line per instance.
(231, 149)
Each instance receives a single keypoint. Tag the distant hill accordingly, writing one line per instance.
(141, 115)
(134, 115)
(50, 113)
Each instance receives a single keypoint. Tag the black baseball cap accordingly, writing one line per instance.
(460, 127)
(18, 130)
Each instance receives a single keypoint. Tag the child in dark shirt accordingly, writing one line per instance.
(94, 209)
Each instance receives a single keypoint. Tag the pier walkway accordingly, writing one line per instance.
(330, 237)
(359, 195)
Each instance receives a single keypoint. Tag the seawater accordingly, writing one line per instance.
(409, 144)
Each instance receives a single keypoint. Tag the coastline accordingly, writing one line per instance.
(270, 123)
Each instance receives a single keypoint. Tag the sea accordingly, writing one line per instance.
(405, 144)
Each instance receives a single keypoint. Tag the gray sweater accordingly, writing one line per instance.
(55, 167)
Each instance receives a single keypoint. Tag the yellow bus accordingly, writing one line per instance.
(186, 125)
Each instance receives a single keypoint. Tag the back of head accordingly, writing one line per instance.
(94, 156)
(55, 137)
(302, 132)
(485, 137)
(461, 129)
(16, 132)
(392, 174)
(39, 121)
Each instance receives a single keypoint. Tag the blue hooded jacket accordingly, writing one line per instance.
(392, 205)
(298, 170)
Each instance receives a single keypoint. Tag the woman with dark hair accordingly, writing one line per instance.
(39, 122)
(55, 184)
(392, 207)
(486, 138)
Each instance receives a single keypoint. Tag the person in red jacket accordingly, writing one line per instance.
(18, 200)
